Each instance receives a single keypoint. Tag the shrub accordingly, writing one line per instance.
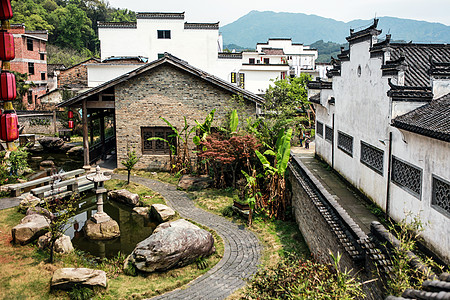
(298, 278)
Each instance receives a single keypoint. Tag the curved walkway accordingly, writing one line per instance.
(242, 248)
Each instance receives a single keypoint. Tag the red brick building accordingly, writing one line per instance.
(31, 58)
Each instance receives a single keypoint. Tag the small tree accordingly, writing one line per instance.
(62, 212)
(130, 162)
(17, 161)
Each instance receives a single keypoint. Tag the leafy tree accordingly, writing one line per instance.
(22, 88)
(131, 161)
(62, 211)
(286, 96)
(18, 161)
(122, 15)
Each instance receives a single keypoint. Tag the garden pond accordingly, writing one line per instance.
(134, 228)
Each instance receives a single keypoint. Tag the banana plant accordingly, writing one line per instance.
(233, 123)
(282, 154)
(252, 186)
(179, 161)
(276, 204)
(205, 128)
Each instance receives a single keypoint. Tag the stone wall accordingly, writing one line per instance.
(173, 94)
(326, 227)
(38, 124)
(75, 75)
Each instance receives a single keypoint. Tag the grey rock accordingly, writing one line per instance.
(191, 183)
(52, 144)
(66, 278)
(102, 231)
(37, 147)
(27, 201)
(124, 196)
(30, 228)
(77, 152)
(39, 211)
(62, 245)
(47, 164)
(143, 211)
(172, 244)
(162, 212)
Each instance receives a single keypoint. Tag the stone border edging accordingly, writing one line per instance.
(241, 254)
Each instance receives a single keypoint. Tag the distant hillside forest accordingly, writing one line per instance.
(71, 24)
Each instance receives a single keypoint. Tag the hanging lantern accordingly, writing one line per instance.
(70, 114)
(9, 129)
(6, 12)
(6, 46)
(70, 124)
(7, 86)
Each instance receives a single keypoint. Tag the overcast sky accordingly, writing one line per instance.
(227, 11)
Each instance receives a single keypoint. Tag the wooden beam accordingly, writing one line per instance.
(85, 135)
(100, 104)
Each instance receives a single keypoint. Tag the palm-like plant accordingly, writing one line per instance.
(276, 203)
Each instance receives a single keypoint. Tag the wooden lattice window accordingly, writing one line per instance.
(157, 147)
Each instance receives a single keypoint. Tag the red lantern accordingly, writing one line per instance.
(9, 130)
(6, 12)
(6, 46)
(7, 86)
(70, 114)
(70, 124)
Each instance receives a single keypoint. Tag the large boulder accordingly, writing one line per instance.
(76, 152)
(162, 212)
(191, 183)
(27, 201)
(67, 278)
(37, 148)
(172, 244)
(37, 210)
(30, 228)
(51, 144)
(62, 245)
(124, 196)
(102, 231)
(47, 164)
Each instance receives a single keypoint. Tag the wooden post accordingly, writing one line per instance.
(85, 136)
(102, 135)
(54, 122)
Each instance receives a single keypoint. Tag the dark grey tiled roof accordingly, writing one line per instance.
(432, 120)
(439, 69)
(227, 55)
(210, 26)
(409, 93)
(319, 84)
(166, 59)
(364, 34)
(417, 60)
(160, 15)
(315, 98)
(117, 25)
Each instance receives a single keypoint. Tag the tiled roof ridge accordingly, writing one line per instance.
(319, 84)
(160, 15)
(213, 26)
(440, 69)
(117, 24)
(230, 55)
(363, 34)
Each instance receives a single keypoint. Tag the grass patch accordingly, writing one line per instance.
(160, 176)
(147, 197)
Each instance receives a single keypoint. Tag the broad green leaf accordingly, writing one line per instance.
(234, 120)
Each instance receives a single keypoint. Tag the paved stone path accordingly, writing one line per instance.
(9, 202)
(242, 248)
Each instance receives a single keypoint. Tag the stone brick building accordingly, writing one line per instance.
(31, 59)
(167, 87)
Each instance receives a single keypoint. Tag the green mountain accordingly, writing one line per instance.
(257, 26)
